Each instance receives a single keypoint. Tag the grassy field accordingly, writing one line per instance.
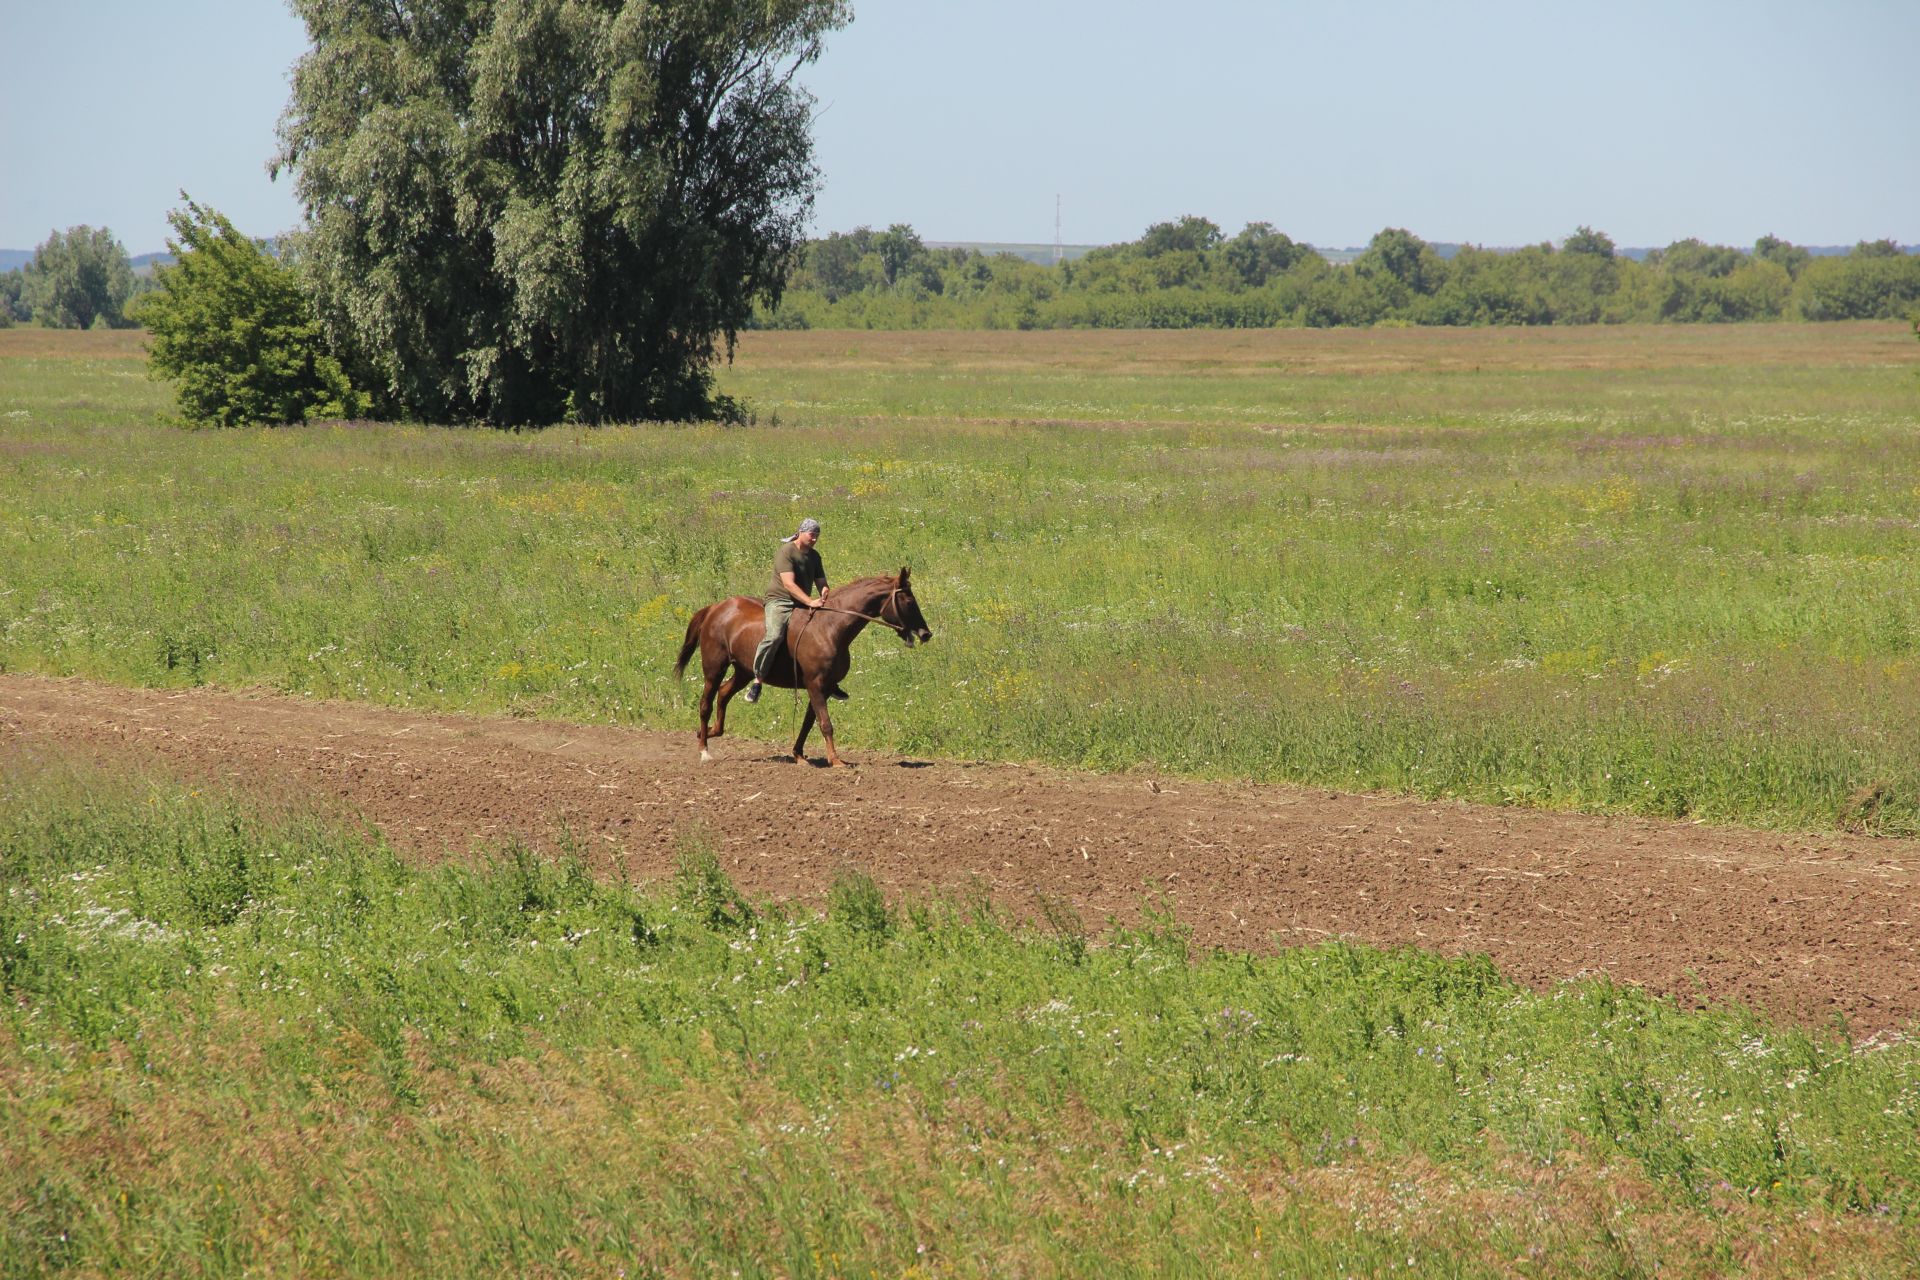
(243, 1043)
(1663, 571)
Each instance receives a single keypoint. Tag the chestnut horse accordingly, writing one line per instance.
(814, 657)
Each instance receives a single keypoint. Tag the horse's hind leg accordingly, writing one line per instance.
(714, 663)
(735, 683)
(712, 670)
(706, 709)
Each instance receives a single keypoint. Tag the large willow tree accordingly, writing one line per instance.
(525, 211)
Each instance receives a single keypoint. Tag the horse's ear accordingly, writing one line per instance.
(903, 575)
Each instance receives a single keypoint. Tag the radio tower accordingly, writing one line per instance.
(1059, 250)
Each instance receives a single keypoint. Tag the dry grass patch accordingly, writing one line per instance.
(27, 343)
(1263, 352)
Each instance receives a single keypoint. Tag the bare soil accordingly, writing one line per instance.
(1804, 927)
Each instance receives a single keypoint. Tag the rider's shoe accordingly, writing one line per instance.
(837, 692)
(753, 692)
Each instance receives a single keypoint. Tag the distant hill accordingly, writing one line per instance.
(1043, 253)
(1639, 253)
(143, 263)
(1040, 253)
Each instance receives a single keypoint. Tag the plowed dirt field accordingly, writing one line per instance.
(1802, 926)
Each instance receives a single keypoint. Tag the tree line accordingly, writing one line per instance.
(251, 333)
(1188, 273)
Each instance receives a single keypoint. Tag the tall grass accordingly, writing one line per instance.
(1621, 570)
(234, 1043)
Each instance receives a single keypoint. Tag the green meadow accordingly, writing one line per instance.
(1644, 570)
(240, 1042)
(1630, 570)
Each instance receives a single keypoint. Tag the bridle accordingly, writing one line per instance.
(905, 634)
(870, 617)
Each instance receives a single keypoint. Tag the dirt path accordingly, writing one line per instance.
(1803, 926)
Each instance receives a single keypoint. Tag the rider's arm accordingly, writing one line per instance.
(796, 590)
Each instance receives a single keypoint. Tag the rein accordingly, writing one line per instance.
(851, 613)
(870, 617)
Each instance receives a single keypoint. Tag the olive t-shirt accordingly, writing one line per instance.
(803, 563)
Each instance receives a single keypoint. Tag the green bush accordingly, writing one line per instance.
(232, 326)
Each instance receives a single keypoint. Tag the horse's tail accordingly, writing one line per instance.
(692, 641)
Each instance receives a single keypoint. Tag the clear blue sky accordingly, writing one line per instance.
(1498, 123)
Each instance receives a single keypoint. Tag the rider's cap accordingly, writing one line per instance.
(809, 525)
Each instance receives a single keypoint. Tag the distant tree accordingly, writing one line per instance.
(530, 210)
(13, 300)
(1696, 257)
(835, 262)
(1260, 253)
(1859, 286)
(1171, 255)
(232, 327)
(1345, 296)
(1587, 240)
(898, 246)
(1188, 235)
(1577, 282)
(1773, 249)
(1878, 249)
(1396, 257)
(78, 279)
(1757, 291)
(1486, 286)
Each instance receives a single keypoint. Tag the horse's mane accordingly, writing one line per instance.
(861, 598)
(877, 582)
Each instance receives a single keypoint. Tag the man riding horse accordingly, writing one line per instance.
(797, 574)
(818, 644)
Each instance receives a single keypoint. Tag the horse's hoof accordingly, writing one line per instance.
(705, 758)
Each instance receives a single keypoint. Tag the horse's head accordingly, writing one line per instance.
(902, 611)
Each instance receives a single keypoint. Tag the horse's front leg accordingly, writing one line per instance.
(800, 743)
(817, 708)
